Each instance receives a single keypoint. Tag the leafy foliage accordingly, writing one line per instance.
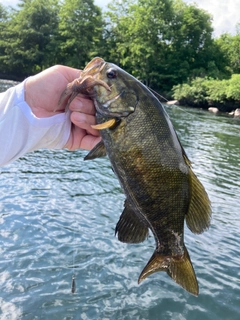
(29, 33)
(233, 90)
(196, 91)
(204, 91)
(161, 42)
(80, 32)
(217, 90)
(230, 47)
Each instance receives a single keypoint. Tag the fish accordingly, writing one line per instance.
(152, 167)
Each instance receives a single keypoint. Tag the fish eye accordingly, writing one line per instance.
(112, 74)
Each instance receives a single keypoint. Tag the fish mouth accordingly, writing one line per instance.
(94, 67)
(103, 111)
(85, 83)
(114, 116)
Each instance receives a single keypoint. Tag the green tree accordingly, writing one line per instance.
(80, 32)
(230, 47)
(191, 41)
(28, 35)
(4, 14)
(138, 37)
(161, 42)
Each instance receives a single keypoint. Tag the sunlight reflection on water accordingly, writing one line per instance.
(58, 216)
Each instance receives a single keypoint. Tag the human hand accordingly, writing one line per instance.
(42, 94)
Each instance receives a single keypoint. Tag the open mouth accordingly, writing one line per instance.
(102, 108)
(114, 116)
(107, 103)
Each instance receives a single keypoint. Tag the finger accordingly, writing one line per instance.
(83, 105)
(84, 121)
(70, 73)
(88, 142)
(80, 140)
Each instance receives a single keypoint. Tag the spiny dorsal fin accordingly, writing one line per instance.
(130, 228)
(180, 269)
(97, 152)
(199, 212)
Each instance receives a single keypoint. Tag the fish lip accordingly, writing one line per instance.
(106, 112)
(94, 69)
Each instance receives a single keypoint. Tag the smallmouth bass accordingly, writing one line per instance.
(151, 165)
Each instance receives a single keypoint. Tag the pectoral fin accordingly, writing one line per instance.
(180, 269)
(199, 211)
(130, 228)
(97, 152)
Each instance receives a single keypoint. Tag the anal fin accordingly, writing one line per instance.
(180, 269)
(130, 228)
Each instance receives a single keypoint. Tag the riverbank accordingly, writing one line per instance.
(12, 77)
(235, 113)
(226, 106)
(208, 93)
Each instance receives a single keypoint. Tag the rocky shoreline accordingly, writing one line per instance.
(235, 113)
(232, 109)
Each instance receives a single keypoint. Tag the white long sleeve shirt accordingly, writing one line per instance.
(21, 131)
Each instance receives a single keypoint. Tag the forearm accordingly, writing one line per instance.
(21, 131)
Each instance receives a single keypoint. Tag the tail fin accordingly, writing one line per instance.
(180, 269)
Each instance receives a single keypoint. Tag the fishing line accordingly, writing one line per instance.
(157, 95)
(73, 284)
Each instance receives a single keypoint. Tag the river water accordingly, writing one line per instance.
(57, 217)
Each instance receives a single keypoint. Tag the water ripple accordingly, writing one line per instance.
(58, 215)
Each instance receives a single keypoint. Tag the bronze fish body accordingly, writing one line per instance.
(153, 169)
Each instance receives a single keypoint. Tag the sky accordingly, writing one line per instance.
(226, 14)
